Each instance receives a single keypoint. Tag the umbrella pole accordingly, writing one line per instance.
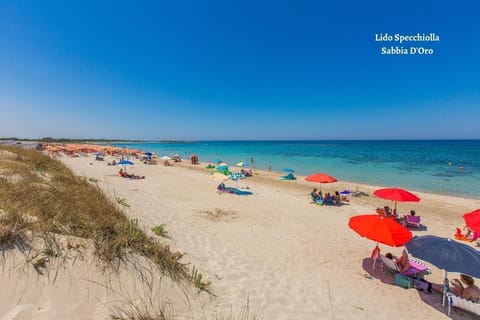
(446, 288)
(374, 255)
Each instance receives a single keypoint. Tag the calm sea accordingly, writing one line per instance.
(444, 167)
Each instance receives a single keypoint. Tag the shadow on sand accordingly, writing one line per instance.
(434, 300)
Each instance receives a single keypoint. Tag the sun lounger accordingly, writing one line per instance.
(459, 302)
(412, 221)
(469, 237)
(416, 267)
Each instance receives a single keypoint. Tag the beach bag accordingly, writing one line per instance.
(402, 281)
(421, 285)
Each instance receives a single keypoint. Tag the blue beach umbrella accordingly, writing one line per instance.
(236, 176)
(125, 163)
(446, 254)
(288, 170)
(148, 154)
(222, 166)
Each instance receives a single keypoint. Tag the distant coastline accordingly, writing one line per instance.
(102, 140)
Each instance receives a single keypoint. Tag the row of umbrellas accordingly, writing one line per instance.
(444, 253)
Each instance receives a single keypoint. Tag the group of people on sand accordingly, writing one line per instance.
(327, 199)
(387, 211)
(464, 287)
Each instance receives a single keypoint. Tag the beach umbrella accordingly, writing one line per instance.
(396, 194)
(242, 164)
(321, 178)
(381, 230)
(165, 158)
(125, 163)
(446, 254)
(217, 161)
(472, 220)
(222, 166)
(148, 154)
(288, 170)
(236, 176)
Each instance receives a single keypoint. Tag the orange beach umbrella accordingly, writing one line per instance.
(396, 194)
(380, 229)
(321, 178)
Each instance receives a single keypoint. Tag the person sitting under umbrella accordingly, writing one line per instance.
(403, 262)
(470, 291)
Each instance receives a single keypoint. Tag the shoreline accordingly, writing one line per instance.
(343, 183)
(432, 186)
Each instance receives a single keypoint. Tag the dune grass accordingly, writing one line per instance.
(39, 195)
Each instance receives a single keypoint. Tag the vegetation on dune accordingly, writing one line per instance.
(42, 201)
(39, 195)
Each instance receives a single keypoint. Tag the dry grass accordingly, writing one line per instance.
(134, 312)
(64, 204)
(219, 214)
(14, 229)
(43, 203)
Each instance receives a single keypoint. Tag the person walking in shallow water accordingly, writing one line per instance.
(252, 163)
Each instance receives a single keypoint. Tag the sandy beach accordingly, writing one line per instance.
(286, 257)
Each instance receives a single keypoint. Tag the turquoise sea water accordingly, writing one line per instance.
(442, 166)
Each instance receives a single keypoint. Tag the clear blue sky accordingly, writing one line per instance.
(237, 70)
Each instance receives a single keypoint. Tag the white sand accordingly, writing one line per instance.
(289, 258)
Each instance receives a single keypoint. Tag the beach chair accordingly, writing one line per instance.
(416, 267)
(469, 237)
(459, 302)
(412, 221)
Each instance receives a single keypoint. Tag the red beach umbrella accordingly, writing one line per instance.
(380, 229)
(472, 220)
(321, 177)
(396, 194)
